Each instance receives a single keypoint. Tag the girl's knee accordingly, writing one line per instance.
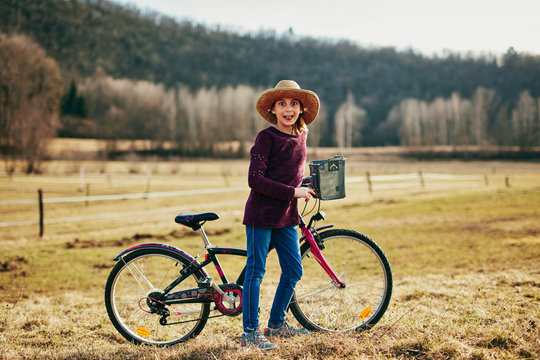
(299, 274)
(299, 270)
(294, 274)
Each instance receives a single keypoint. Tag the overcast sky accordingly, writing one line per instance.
(428, 26)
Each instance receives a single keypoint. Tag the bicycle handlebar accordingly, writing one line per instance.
(309, 183)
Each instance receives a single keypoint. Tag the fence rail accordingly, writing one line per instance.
(111, 215)
(383, 182)
(415, 176)
(125, 196)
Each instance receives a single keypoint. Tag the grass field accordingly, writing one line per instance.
(465, 256)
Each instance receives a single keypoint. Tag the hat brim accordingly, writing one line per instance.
(309, 100)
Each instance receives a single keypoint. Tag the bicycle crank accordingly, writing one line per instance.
(230, 302)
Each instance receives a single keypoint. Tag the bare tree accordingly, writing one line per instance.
(411, 127)
(438, 114)
(130, 109)
(210, 116)
(461, 113)
(502, 132)
(246, 97)
(239, 119)
(427, 125)
(207, 105)
(30, 93)
(525, 121)
(537, 125)
(316, 128)
(482, 103)
(349, 120)
(188, 133)
(454, 118)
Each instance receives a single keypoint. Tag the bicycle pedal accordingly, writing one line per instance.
(205, 282)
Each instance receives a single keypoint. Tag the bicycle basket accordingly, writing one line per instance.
(329, 177)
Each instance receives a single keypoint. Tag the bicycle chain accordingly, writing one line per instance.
(187, 321)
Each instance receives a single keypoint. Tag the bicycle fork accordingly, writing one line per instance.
(317, 254)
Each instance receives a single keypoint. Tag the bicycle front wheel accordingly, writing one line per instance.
(321, 305)
(132, 287)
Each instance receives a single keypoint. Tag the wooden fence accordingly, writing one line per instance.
(373, 183)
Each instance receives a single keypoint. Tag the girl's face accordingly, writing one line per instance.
(287, 112)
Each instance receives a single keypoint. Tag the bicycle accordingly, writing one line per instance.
(347, 289)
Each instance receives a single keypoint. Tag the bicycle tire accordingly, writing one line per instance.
(133, 279)
(320, 305)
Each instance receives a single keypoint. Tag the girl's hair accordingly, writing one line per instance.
(300, 125)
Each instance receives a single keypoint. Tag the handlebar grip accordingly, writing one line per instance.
(308, 182)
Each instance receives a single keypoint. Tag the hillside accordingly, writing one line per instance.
(83, 35)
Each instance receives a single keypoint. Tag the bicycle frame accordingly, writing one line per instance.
(308, 235)
(186, 296)
(205, 294)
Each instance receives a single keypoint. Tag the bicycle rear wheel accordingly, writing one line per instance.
(320, 305)
(135, 281)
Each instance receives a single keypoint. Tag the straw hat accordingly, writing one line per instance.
(288, 89)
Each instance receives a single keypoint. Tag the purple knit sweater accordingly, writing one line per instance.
(276, 169)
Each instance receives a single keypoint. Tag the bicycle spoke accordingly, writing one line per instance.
(166, 276)
(126, 296)
(367, 284)
(134, 316)
(141, 274)
(316, 291)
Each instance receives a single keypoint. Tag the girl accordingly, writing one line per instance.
(271, 214)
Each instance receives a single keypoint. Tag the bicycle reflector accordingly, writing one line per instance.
(143, 331)
(329, 177)
(365, 313)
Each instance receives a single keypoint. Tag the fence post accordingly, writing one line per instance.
(40, 199)
(421, 179)
(225, 175)
(87, 194)
(148, 178)
(368, 179)
(81, 179)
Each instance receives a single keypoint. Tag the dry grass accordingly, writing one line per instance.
(465, 263)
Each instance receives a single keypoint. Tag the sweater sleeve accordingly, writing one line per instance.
(257, 179)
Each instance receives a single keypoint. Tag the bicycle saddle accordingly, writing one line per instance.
(195, 220)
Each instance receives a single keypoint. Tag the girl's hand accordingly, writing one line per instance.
(303, 192)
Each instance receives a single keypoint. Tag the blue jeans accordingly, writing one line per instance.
(285, 241)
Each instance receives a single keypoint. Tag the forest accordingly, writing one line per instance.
(132, 74)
